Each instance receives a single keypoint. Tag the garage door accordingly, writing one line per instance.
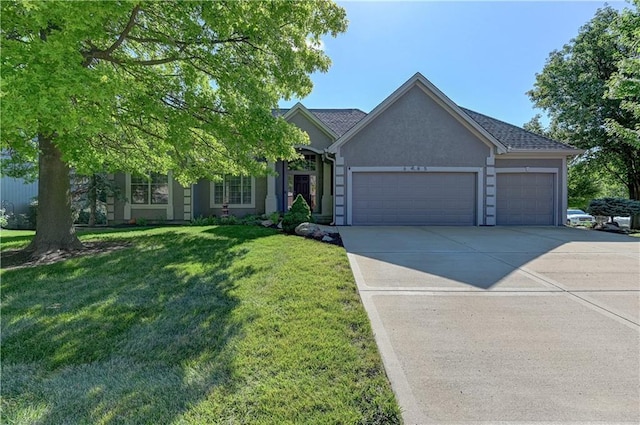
(414, 199)
(525, 199)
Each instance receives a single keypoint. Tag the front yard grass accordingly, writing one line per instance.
(190, 325)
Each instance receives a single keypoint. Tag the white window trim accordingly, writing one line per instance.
(479, 171)
(128, 206)
(212, 198)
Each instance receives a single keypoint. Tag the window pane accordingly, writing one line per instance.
(139, 193)
(246, 190)
(152, 189)
(289, 191)
(218, 192)
(234, 187)
(139, 180)
(159, 178)
(312, 192)
(310, 161)
(160, 193)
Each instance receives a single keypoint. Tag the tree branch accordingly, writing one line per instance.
(125, 32)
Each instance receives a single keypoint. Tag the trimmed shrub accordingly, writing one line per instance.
(612, 207)
(4, 218)
(299, 213)
(204, 221)
(32, 213)
(230, 220)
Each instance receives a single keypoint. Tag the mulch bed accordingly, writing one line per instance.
(18, 258)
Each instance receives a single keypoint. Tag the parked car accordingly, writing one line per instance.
(579, 218)
(623, 221)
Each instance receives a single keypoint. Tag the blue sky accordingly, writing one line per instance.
(483, 55)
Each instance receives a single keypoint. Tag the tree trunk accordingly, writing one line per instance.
(54, 227)
(634, 193)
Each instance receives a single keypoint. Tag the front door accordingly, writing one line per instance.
(302, 186)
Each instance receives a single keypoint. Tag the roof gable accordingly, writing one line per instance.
(300, 108)
(420, 81)
(339, 121)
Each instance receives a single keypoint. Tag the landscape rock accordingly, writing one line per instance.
(267, 223)
(279, 226)
(327, 238)
(306, 229)
(609, 227)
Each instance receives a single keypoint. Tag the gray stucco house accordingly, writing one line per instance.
(415, 159)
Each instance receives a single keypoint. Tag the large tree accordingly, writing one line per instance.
(574, 88)
(142, 87)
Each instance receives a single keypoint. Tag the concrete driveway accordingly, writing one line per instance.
(504, 325)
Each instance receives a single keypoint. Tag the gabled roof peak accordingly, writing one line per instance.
(431, 90)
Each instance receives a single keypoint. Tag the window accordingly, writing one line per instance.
(308, 163)
(235, 191)
(150, 190)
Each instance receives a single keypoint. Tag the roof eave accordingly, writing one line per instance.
(546, 152)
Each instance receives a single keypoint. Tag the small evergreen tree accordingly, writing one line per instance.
(612, 207)
(299, 213)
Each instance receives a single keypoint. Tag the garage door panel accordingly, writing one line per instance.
(413, 198)
(525, 199)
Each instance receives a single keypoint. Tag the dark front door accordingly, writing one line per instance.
(301, 186)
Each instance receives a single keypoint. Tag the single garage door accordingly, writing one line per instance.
(525, 199)
(413, 198)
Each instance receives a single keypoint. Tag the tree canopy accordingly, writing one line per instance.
(587, 90)
(158, 86)
(155, 86)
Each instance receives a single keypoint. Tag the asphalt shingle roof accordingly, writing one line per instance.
(339, 120)
(514, 137)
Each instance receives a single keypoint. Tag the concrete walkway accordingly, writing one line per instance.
(504, 325)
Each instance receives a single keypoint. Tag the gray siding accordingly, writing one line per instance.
(415, 130)
(118, 211)
(178, 201)
(16, 195)
(317, 137)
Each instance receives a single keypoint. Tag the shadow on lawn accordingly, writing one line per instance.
(139, 335)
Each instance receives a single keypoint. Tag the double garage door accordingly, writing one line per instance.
(414, 198)
(393, 198)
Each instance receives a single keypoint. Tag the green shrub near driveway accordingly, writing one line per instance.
(191, 325)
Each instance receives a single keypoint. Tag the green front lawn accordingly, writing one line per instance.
(190, 325)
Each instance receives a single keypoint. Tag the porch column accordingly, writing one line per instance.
(271, 202)
(327, 200)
